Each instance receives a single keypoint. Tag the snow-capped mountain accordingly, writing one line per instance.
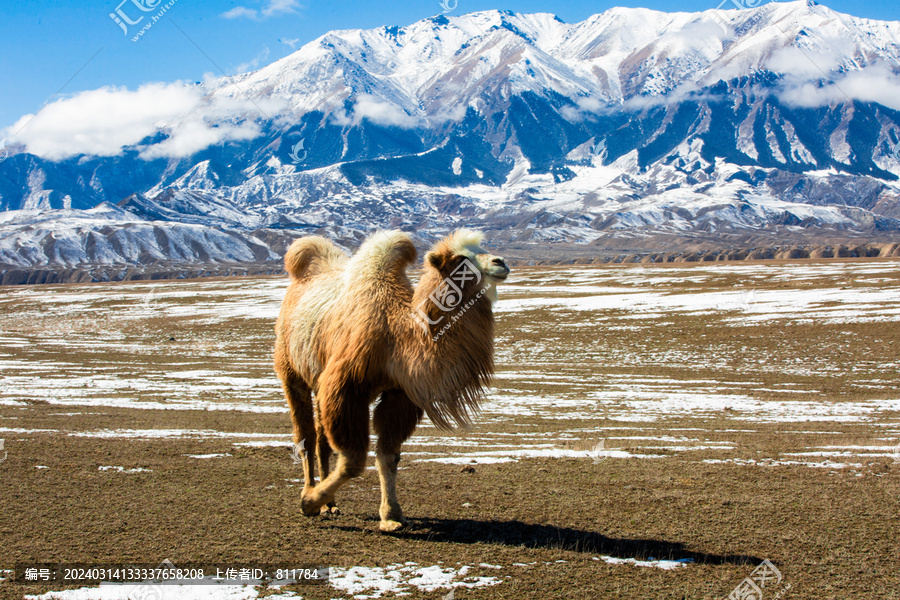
(723, 127)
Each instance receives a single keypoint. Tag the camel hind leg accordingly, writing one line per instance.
(344, 419)
(324, 456)
(394, 421)
(299, 402)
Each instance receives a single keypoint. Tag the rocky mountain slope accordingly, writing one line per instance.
(632, 130)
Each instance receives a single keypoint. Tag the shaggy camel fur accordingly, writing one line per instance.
(352, 330)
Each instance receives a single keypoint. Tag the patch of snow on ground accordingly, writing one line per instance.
(398, 579)
(769, 462)
(501, 456)
(172, 405)
(643, 406)
(124, 470)
(207, 455)
(145, 591)
(667, 565)
(171, 433)
(265, 444)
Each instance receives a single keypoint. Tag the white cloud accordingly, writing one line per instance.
(802, 64)
(254, 63)
(240, 12)
(278, 7)
(584, 107)
(370, 108)
(701, 32)
(455, 113)
(103, 122)
(814, 79)
(271, 9)
(292, 43)
(876, 83)
(100, 122)
(194, 136)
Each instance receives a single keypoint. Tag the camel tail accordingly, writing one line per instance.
(310, 256)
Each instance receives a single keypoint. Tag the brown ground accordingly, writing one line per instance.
(832, 532)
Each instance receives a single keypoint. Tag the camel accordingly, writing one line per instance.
(352, 330)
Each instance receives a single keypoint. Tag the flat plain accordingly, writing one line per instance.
(653, 431)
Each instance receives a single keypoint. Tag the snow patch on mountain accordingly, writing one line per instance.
(715, 126)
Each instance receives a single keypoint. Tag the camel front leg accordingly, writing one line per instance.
(395, 420)
(390, 512)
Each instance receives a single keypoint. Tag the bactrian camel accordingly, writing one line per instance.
(353, 331)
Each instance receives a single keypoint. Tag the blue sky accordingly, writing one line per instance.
(54, 48)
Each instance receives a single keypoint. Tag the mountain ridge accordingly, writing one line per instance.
(628, 127)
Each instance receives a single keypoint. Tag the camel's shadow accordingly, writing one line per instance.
(519, 534)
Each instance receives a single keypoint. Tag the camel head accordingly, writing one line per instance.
(453, 306)
(461, 250)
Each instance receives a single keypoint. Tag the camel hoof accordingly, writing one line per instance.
(310, 508)
(392, 526)
(329, 510)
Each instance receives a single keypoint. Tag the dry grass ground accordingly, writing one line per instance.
(721, 413)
